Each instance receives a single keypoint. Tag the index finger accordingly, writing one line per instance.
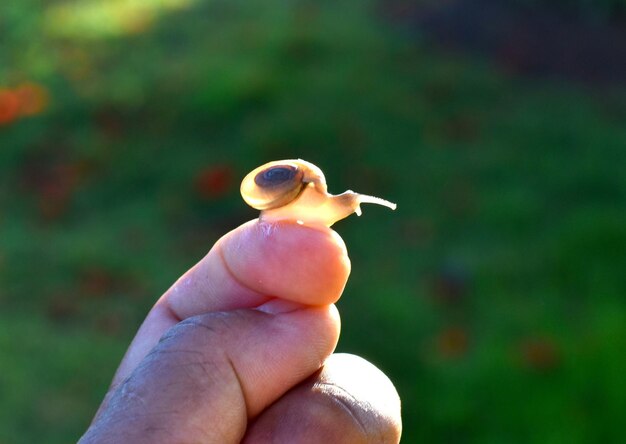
(246, 268)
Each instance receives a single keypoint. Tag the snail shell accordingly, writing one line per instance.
(277, 183)
(296, 190)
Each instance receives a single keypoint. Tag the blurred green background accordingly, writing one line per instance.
(494, 297)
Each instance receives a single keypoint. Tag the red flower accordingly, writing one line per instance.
(214, 181)
(9, 106)
(452, 342)
(33, 98)
(540, 354)
(57, 188)
(96, 282)
(53, 183)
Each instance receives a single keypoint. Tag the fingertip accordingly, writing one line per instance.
(304, 264)
(348, 401)
(366, 382)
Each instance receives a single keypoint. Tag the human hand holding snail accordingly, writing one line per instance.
(240, 349)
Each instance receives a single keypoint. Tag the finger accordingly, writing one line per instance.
(294, 262)
(348, 401)
(248, 267)
(212, 372)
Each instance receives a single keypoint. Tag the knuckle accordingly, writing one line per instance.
(366, 422)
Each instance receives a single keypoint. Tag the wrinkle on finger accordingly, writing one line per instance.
(210, 373)
(348, 401)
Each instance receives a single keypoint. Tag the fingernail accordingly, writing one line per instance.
(277, 306)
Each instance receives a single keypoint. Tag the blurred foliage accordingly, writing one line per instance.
(493, 297)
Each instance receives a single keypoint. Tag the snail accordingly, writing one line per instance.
(296, 190)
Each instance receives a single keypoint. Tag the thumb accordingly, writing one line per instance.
(212, 372)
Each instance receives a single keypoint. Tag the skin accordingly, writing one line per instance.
(240, 348)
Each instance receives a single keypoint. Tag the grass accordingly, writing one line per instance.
(493, 296)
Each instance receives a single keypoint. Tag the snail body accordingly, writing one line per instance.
(296, 190)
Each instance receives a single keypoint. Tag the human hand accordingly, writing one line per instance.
(239, 349)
